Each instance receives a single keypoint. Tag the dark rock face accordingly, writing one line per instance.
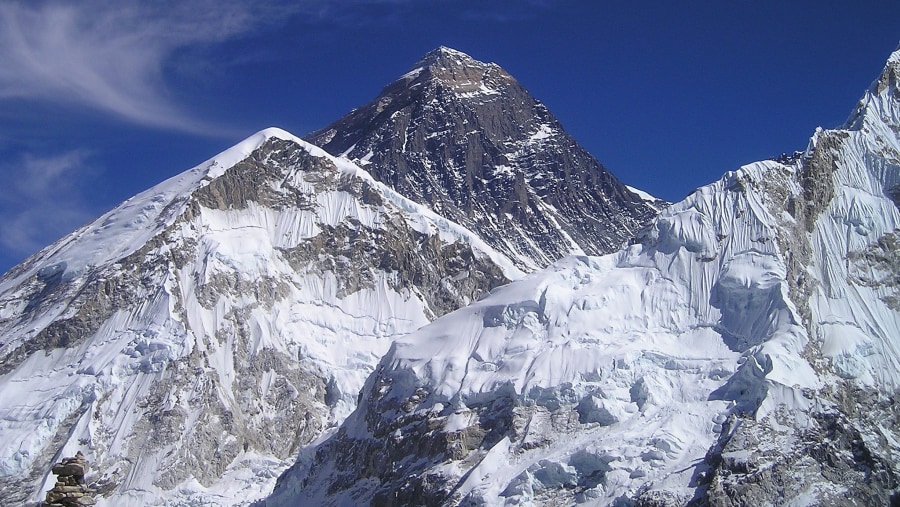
(400, 466)
(879, 266)
(816, 176)
(844, 444)
(467, 139)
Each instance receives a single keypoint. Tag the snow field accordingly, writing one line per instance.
(236, 296)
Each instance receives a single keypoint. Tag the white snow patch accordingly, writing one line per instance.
(646, 196)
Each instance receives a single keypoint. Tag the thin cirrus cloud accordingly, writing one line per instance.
(45, 200)
(112, 56)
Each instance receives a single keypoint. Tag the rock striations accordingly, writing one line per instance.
(465, 138)
(194, 338)
(271, 307)
(743, 351)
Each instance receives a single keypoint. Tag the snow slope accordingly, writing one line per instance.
(189, 341)
(742, 351)
(856, 306)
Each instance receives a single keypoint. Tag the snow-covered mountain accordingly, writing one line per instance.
(191, 340)
(745, 350)
(466, 139)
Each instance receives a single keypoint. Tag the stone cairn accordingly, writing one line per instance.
(70, 490)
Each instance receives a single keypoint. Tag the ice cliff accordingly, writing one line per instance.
(742, 351)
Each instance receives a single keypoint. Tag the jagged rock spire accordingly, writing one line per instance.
(467, 139)
(742, 352)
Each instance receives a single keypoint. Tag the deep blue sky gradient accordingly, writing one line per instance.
(667, 95)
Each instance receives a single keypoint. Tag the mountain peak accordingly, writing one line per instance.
(444, 56)
(460, 73)
(447, 51)
(328, 247)
(465, 138)
(895, 55)
(878, 108)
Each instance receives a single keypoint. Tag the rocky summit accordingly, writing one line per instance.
(465, 138)
(401, 322)
(742, 351)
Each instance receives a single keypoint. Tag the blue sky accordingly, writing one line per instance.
(102, 99)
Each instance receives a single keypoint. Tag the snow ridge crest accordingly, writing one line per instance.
(704, 362)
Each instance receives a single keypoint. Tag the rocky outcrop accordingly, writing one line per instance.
(238, 328)
(878, 266)
(467, 139)
(840, 456)
(743, 351)
(70, 489)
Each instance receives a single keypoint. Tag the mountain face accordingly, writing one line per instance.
(743, 351)
(191, 340)
(466, 139)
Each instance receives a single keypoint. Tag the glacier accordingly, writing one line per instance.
(277, 318)
(742, 351)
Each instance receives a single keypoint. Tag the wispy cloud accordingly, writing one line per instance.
(117, 58)
(45, 200)
(111, 56)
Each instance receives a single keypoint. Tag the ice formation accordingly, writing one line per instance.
(742, 351)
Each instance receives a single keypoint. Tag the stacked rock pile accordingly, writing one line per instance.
(70, 490)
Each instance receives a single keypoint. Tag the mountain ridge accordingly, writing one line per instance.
(742, 351)
(197, 337)
(233, 320)
(465, 138)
